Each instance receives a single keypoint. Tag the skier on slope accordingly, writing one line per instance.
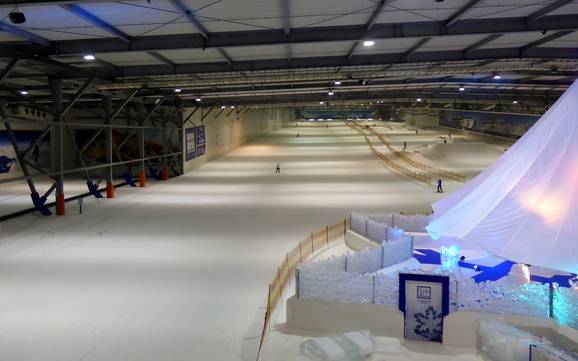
(404, 146)
(440, 189)
(278, 169)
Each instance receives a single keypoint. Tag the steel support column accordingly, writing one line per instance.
(57, 143)
(142, 168)
(108, 116)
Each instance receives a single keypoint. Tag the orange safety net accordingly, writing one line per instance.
(402, 163)
(304, 250)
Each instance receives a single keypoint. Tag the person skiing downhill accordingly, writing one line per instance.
(278, 169)
(404, 146)
(440, 189)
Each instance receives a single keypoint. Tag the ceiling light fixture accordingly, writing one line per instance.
(515, 102)
(330, 93)
(321, 103)
(223, 107)
(178, 90)
(418, 99)
(497, 77)
(337, 82)
(23, 92)
(368, 43)
(462, 89)
(198, 99)
(89, 57)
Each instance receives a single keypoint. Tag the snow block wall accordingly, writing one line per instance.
(411, 223)
(360, 223)
(502, 298)
(376, 232)
(397, 251)
(352, 278)
(335, 286)
(365, 261)
(357, 223)
(566, 306)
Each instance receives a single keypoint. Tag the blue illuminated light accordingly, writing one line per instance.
(450, 256)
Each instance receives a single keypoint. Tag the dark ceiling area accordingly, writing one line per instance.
(289, 52)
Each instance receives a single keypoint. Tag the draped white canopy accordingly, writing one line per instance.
(525, 206)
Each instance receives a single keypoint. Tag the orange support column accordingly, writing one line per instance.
(141, 179)
(109, 190)
(165, 174)
(60, 204)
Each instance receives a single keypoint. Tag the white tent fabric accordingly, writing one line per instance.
(525, 206)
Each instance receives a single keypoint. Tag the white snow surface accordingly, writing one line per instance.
(177, 270)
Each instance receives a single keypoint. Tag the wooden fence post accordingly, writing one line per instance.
(327, 234)
(300, 253)
(312, 248)
(279, 282)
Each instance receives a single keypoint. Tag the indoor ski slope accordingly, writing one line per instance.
(177, 271)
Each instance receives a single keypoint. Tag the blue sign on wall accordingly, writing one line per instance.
(195, 142)
(200, 140)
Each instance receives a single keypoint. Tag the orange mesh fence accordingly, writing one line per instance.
(306, 248)
(439, 172)
(389, 161)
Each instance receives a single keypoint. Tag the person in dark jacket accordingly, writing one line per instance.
(440, 189)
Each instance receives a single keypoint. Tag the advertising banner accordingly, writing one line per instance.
(200, 140)
(424, 300)
(195, 142)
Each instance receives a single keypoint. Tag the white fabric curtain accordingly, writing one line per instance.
(525, 206)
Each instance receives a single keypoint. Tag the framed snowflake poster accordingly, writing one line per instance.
(424, 301)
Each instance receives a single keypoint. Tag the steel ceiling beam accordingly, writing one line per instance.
(416, 46)
(336, 61)
(297, 36)
(12, 3)
(484, 41)
(24, 34)
(162, 59)
(77, 96)
(547, 9)
(545, 39)
(123, 104)
(186, 12)
(8, 69)
(368, 25)
(348, 85)
(96, 21)
(286, 14)
(225, 55)
(478, 94)
(64, 68)
(493, 54)
(461, 11)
